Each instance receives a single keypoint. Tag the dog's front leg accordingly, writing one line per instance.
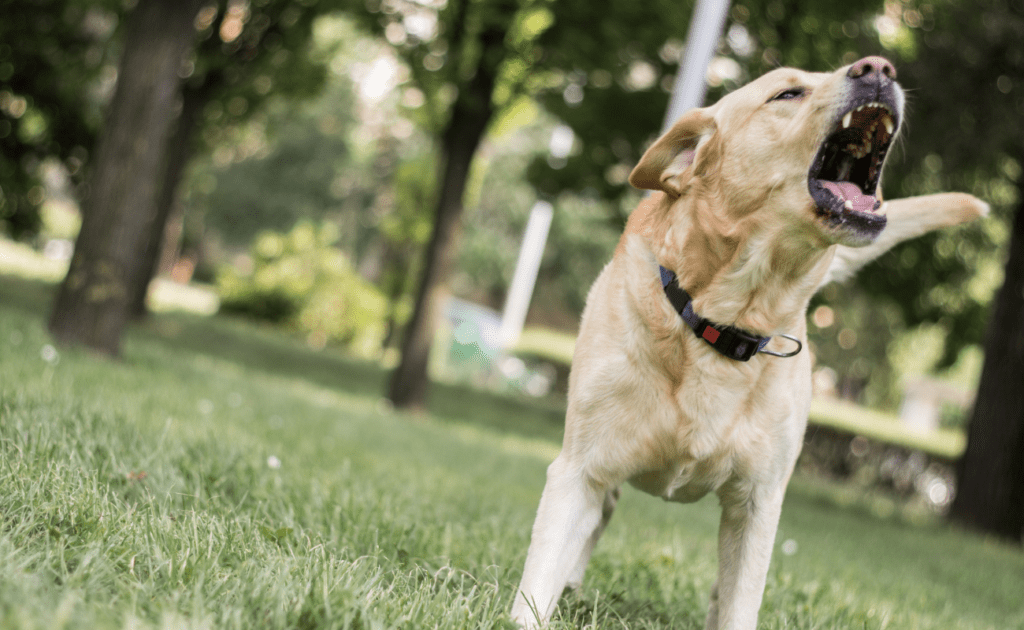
(746, 536)
(568, 519)
(575, 581)
(906, 219)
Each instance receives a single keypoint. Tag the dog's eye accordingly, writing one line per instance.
(790, 94)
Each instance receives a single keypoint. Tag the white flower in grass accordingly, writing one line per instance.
(789, 547)
(49, 354)
(273, 462)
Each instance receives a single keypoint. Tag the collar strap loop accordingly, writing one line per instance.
(732, 342)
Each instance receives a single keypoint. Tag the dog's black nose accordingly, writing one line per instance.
(872, 69)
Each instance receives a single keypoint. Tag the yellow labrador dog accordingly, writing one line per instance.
(688, 376)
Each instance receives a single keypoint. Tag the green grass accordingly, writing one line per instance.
(224, 476)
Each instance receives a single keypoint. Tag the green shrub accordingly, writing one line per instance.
(302, 281)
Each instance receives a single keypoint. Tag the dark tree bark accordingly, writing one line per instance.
(990, 489)
(180, 148)
(92, 304)
(470, 116)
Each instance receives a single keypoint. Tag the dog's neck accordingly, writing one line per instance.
(746, 272)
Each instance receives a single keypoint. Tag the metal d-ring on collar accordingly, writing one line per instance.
(735, 343)
(786, 355)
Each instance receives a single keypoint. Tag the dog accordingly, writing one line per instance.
(688, 375)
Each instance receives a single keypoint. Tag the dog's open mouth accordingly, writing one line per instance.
(843, 180)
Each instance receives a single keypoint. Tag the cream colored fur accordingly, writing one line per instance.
(653, 405)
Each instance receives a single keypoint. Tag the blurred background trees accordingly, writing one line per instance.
(973, 55)
(386, 153)
(55, 71)
(461, 47)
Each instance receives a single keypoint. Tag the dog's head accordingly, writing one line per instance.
(807, 146)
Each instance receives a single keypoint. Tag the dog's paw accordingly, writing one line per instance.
(962, 207)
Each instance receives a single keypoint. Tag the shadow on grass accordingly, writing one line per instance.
(29, 296)
(272, 351)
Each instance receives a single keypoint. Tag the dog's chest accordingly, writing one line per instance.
(684, 481)
(716, 433)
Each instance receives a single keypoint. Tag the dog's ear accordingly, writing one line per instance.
(665, 164)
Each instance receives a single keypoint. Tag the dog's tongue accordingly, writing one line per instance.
(851, 195)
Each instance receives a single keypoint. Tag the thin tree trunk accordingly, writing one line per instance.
(470, 116)
(92, 304)
(408, 387)
(990, 489)
(180, 148)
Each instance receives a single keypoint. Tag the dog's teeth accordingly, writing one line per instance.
(848, 205)
(847, 119)
(888, 124)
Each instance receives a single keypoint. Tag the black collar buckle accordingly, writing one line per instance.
(734, 343)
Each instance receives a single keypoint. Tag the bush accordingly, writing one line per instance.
(302, 281)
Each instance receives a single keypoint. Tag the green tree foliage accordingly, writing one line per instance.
(302, 280)
(247, 52)
(467, 58)
(53, 56)
(968, 61)
(970, 142)
(580, 240)
(404, 227)
(292, 163)
(611, 83)
(343, 157)
(498, 208)
(443, 46)
(244, 52)
(944, 281)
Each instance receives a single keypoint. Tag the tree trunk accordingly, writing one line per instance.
(408, 388)
(92, 304)
(180, 148)
(990, 489)
(470, 116)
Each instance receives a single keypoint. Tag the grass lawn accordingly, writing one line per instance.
(224, 476)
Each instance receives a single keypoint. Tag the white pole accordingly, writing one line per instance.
(706, 26)
(525, 277)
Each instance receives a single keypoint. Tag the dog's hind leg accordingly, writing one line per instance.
(569, 517)
(576, 576)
